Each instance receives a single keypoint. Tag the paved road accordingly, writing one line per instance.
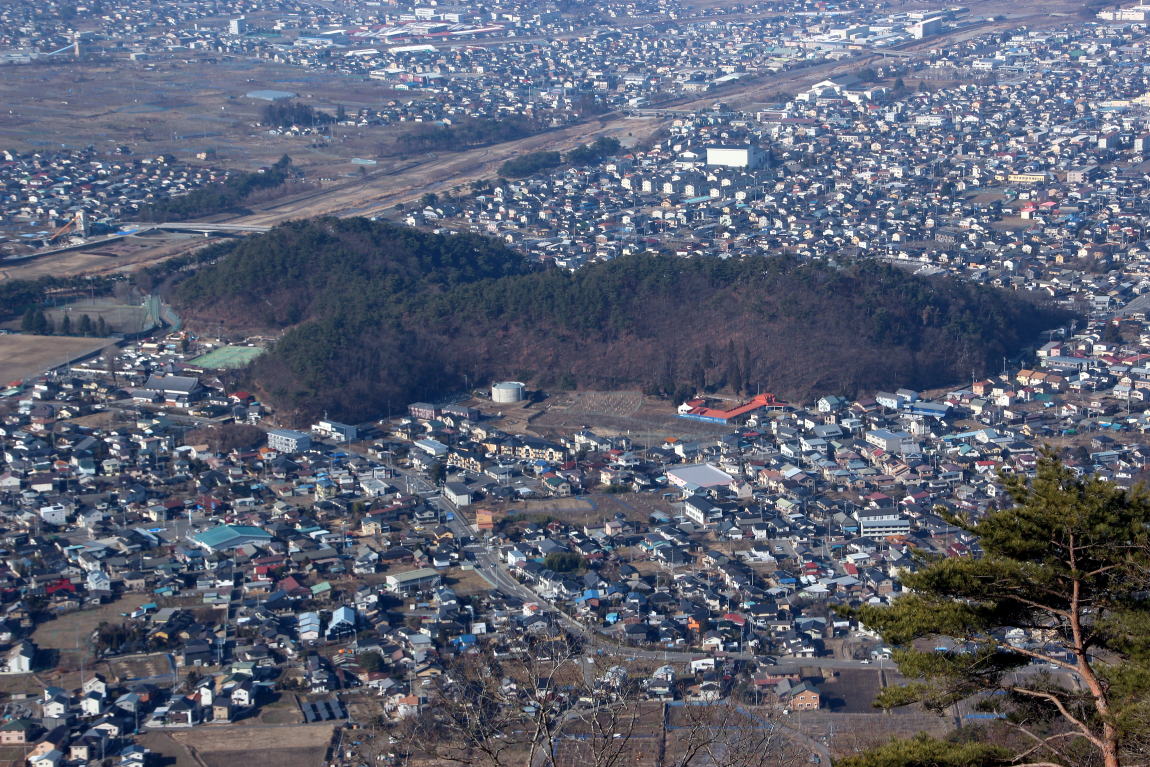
(491, 569)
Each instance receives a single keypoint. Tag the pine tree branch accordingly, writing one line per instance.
(1041, 742)
(1103, 569)
(1006, 647)
(1065, 712)
(1038, 605)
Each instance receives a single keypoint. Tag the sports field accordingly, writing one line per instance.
(227, 357)
(23, 355)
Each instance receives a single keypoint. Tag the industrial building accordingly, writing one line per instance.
(228, 537)
(508, 392)
(698, 476)
(336, 431)
(749, 157)
(697, 409)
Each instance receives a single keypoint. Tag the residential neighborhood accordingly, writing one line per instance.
(186, 570)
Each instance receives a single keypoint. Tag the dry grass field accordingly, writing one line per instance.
(646, 420)
(72, 630)
(23, 356)
(181, 106)
(292, 745)
(593, 509)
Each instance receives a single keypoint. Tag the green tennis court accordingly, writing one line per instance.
(227, 357)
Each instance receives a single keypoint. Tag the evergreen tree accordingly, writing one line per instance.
(924, 751)
(40, 323)
(734, 370)
(66, 325)
(101, 327)
(28, 321)
(85, 325)
(1069, 561)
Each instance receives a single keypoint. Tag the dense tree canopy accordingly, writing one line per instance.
(530, 164)
(1068, 561)
(218, 198)
(286, 113)
(924, 751)
(377, 313)
(468, 132)
(534, 162)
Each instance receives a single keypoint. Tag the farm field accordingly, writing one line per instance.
(120, 317)
(24, 355)
(71, 631)
(647, 420)
(181, 107)
(595, 508)
(288, 745)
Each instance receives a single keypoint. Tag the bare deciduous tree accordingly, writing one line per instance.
(548, 706)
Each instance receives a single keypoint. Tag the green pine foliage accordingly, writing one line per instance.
(20, 297)
(589, 154)
(468, 132)
(536, 162)
(219, 198)
(530, 164)
(286, 113)
(1070, 560)
(375, 313)
(563, 561)
(925, 751)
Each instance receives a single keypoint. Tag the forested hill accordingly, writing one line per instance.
(382, 314)
(335, 268)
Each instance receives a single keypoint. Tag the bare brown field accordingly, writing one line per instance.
(180, 106)
(120, 317)
(643, 747)
(290, 745)
(13, 756)
(637, 751)
(852, 691)
(466, 582)
(71, 631)
(174, 753)
(235, 739)
(593, 509)
(125, 255)
(285, 710)
(847, 734)
(24, 356)
(647, 420)
(141, 666)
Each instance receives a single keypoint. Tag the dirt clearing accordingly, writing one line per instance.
(24, 356)
(292, 745)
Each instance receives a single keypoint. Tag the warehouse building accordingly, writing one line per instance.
(749, 157)
(228, 537)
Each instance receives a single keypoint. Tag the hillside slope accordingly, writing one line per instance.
(381, 315)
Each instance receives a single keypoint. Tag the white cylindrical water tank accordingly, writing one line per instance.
(507, 392)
